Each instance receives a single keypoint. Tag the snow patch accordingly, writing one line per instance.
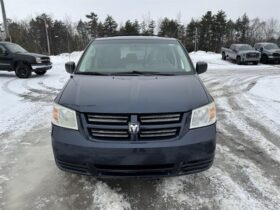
(267, 97)
(106, 198)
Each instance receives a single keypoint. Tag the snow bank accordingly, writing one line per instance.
(267, 94)
(64, 57)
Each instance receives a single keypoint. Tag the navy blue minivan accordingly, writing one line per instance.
(134, 107)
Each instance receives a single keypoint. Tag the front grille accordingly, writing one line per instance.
(152, 127)
(160, 118)
(45, 60)
(252, 55)
(158, 133)
(276, 54)
(106, 133)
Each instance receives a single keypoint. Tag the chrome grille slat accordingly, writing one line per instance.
(107, 119)
(159, 131)
(161, 120)
(110, 136)
(157, 135)
(108, 131)
(160, 116)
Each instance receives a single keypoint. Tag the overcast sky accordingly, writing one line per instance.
(122, 10)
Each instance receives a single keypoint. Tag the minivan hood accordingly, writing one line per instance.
(133, 94)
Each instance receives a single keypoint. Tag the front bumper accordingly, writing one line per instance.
(193, 153)
(274, 58)
(41, 67)
(248, 60)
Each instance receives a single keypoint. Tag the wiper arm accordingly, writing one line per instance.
(135, 72)
(92, 73)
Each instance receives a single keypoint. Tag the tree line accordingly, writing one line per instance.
(209, 33)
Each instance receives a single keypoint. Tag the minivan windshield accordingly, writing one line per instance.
(271, 46)
(118, 56)
(14, 48)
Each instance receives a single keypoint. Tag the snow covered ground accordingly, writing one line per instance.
(245, 174)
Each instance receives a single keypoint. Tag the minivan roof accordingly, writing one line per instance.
(136, 38)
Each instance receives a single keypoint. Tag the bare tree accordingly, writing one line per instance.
(271, 29)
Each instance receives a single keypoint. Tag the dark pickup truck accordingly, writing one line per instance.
(15, 58)
(270, 52)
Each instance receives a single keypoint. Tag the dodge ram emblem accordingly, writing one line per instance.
(133, 128)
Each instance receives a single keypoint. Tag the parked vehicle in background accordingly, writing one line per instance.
(15, 58)
(134, 107)
(241, 53)
(270, 52)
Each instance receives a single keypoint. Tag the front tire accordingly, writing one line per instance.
(264, 59)
(238, 60)
(224, 56)
(255, 63)
(23, 71)
(42, 72)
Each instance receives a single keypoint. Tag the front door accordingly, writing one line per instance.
(5, 59)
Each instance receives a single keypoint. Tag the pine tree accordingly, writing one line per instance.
(206, 32)
(191, 34)
(110, 26)
(93, 24)
(219, 30)
(169, 28)
(130, 29)
(82, 34)
(242, 27)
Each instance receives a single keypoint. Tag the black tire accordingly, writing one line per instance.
(23, 71)
(238, 60)
(224, 57)
(255, 63)
(264, 59)
(41, 72)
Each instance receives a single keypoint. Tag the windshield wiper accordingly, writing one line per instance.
(135, 72)
(93, 73)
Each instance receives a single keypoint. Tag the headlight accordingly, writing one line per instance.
(38, 60)
(64, 117)
(203, 116)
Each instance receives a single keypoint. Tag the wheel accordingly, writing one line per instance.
(23, 71)
(264, 59)
(238, 60)
(40, 72)
(224, 56)
(255, 63)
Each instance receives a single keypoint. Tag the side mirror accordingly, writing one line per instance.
(70, 67)
(6, 53)
(201, 67)
(261, 49)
